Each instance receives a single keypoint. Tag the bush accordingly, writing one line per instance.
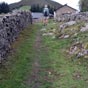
(36, 8)
(4, 8)
(83, 5)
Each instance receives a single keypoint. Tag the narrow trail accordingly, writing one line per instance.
(42, 62)
(33, 80)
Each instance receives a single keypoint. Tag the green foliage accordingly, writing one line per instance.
(4, 8)
(25, 8)
(67, 73)
(83, 5)
(51, 9)
(36, 8)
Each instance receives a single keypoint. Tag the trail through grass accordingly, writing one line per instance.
(39, 61)
(19, 63)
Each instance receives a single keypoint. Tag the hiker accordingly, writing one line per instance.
(55, 16)
(46, 15)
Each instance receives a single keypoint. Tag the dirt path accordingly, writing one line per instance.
(33, 80)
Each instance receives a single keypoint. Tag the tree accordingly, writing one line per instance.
(83, 5)
(4, 7)
(38, 8)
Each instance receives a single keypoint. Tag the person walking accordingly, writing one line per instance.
(46, 15)
(55, 17)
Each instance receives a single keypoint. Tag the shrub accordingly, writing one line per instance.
(4, 8)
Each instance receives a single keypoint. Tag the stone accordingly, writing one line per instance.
(75, 34)
(80, 54)
(11, 25)
(73, 49)
(48, 34)
(43, 29)
(81, 16)
(67, 24)
(66, 36)
(83, 29)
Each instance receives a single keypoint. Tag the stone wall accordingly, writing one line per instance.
(82, 16)
(11, 25)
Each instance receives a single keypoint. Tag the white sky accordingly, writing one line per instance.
(9, 1)
(72, 3)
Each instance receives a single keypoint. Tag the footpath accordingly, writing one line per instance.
(39, 60)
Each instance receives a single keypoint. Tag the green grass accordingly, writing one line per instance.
(19, 63)
(64, 68)
(66, 71)
(57, 68)
(25, 8)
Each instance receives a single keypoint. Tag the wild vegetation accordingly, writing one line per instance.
(24, 8)
(68, 70)
(47, 57)
(83, 5)
(40, 59)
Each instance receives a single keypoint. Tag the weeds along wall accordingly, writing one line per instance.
(11, 25)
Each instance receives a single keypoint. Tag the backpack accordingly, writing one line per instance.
(46, 13)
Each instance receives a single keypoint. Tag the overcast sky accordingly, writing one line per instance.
(9, 1)
(72, 3)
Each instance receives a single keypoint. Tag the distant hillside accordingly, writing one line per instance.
(35, 2)
(24, 8)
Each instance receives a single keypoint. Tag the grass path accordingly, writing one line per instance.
(34, 78)
(19, 64)
(39, 61)
(39, 77)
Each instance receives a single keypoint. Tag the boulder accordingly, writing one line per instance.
(67, 24)
(83, 29)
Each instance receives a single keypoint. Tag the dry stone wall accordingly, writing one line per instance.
(82, 16)
(10, 26)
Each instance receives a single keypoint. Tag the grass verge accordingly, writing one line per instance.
(19, 63)
(64, 72)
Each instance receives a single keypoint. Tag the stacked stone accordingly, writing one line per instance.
(10, 26)
(82, 16)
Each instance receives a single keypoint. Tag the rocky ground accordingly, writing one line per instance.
(74, 31)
